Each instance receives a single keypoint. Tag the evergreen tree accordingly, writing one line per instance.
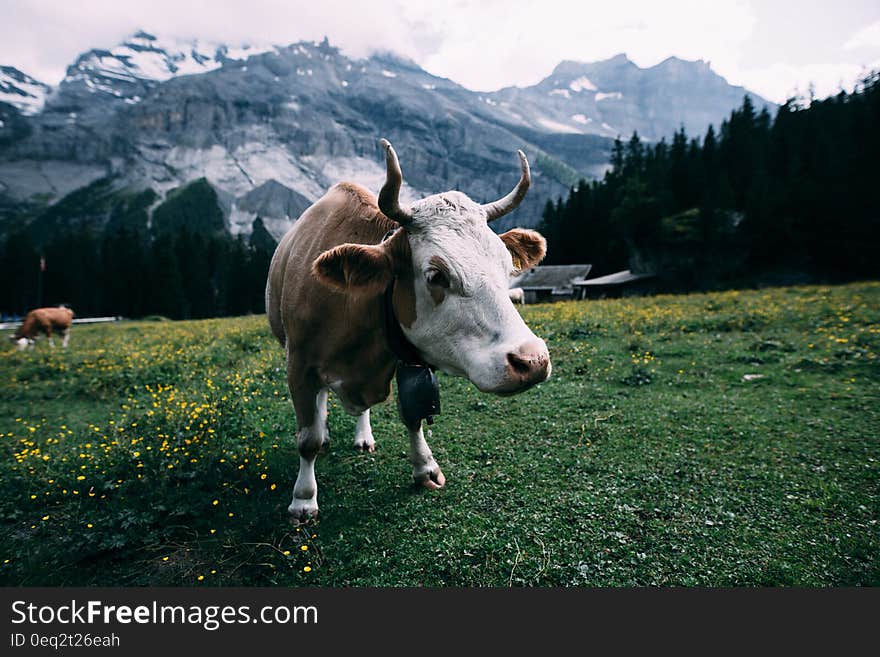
(763, 194)
(20, 264)
(166, 282)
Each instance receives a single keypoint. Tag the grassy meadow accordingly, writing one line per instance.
(721, 439)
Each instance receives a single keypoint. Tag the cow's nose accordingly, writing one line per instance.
(530, 363)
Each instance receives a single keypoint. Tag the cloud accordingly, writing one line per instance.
(491, 44)
(43, 37)
(781, 81)
(867, 37)
(482, 44)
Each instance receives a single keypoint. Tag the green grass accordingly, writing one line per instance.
(162, 453)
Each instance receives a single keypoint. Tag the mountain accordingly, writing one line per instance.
(266, 130)
(20, 90)
(616, 97)
(128, 72)
(272, 200)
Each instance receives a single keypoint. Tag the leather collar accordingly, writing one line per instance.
(418, 391)
(401, 347)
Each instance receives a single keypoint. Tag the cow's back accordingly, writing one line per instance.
(304, 314)
(60, 318)
(42, 319)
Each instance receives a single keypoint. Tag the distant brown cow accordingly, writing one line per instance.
(44, 320)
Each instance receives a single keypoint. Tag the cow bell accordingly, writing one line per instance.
(418, 394)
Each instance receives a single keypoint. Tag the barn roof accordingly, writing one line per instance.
(617, 278)
(550, 277)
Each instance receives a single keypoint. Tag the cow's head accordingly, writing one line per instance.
(451, 274)
(22, 343)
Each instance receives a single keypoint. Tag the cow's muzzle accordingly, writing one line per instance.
(527, 365)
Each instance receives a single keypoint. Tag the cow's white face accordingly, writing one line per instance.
(465, 323)
(23, 343)
(451, 274)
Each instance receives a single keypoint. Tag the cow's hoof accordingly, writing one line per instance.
(302, 510)
(365, 444)
(432, 480)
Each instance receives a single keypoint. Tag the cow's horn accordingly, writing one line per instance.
(389, 202)
(504, 205)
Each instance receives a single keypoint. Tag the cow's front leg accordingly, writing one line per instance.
(363, 433)
(66, 339)
(425, 469)
(311, 417)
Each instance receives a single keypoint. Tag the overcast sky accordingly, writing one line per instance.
(775, 48)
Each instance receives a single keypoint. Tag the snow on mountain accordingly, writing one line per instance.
(583, 83)
(129, 69)
(22, 91)
(145, 57)
(613, 95)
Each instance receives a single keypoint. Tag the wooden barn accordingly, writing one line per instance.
(549, 283)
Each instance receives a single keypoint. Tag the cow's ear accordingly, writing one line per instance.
(527, 247)
(358, 268)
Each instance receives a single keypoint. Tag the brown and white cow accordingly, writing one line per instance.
(443, 272)
(44, 320)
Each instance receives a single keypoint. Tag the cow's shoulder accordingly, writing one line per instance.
(354, 205)
(357, 193)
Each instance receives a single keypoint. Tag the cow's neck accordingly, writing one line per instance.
(417, 387)
(400, 346)
(404, 350)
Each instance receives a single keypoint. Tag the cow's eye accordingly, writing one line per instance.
(437, 278)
